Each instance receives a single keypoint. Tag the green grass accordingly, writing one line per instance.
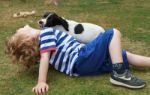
(132, 17)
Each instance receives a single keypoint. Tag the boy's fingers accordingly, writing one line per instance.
(47, 88)
(43, 90)
(33, 89)
(39, 91)
(36, 91)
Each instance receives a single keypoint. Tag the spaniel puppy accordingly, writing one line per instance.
(83, 32)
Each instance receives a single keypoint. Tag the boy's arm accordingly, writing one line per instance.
(42, 86)
(43, 69)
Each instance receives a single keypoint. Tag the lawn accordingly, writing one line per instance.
(132, 17)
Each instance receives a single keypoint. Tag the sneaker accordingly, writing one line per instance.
(127, 80)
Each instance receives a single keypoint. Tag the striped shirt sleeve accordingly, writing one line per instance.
(47, 40)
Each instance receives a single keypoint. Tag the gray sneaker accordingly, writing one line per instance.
(127, 80)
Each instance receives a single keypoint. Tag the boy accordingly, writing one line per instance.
(65, 54)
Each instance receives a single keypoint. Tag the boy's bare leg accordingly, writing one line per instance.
(138, 60)
(115, 49)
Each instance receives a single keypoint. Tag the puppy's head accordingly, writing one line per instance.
(48, 20)
(51, 19)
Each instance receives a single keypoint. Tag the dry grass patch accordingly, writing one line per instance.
(136, 47)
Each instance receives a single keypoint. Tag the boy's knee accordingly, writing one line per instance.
(117, 32)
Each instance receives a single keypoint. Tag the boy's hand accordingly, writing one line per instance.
(40, 88)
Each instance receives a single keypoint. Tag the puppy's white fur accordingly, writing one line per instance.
(90, 30)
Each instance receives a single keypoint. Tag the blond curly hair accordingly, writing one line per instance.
(23, 49)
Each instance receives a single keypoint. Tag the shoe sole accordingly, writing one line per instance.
(125, 85)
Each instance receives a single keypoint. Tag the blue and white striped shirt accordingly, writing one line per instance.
(64, 47)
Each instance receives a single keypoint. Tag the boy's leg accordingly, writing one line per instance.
(120, 75)
(138, 60)
(115, 51)
(115, 48)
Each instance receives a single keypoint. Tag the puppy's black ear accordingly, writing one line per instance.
(60, 21)
(64, 23)
(54, 20)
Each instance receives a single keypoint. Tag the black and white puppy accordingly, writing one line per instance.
(83, 32)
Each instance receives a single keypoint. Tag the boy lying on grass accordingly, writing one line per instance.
(59, 49)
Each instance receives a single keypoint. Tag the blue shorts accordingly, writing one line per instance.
(94, 57)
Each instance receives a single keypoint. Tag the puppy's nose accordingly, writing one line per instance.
(40, 22)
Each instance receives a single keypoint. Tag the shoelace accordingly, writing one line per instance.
(128, 74)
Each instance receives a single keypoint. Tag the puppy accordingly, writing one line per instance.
(83, 32)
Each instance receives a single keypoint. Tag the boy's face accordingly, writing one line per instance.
(28, 31)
